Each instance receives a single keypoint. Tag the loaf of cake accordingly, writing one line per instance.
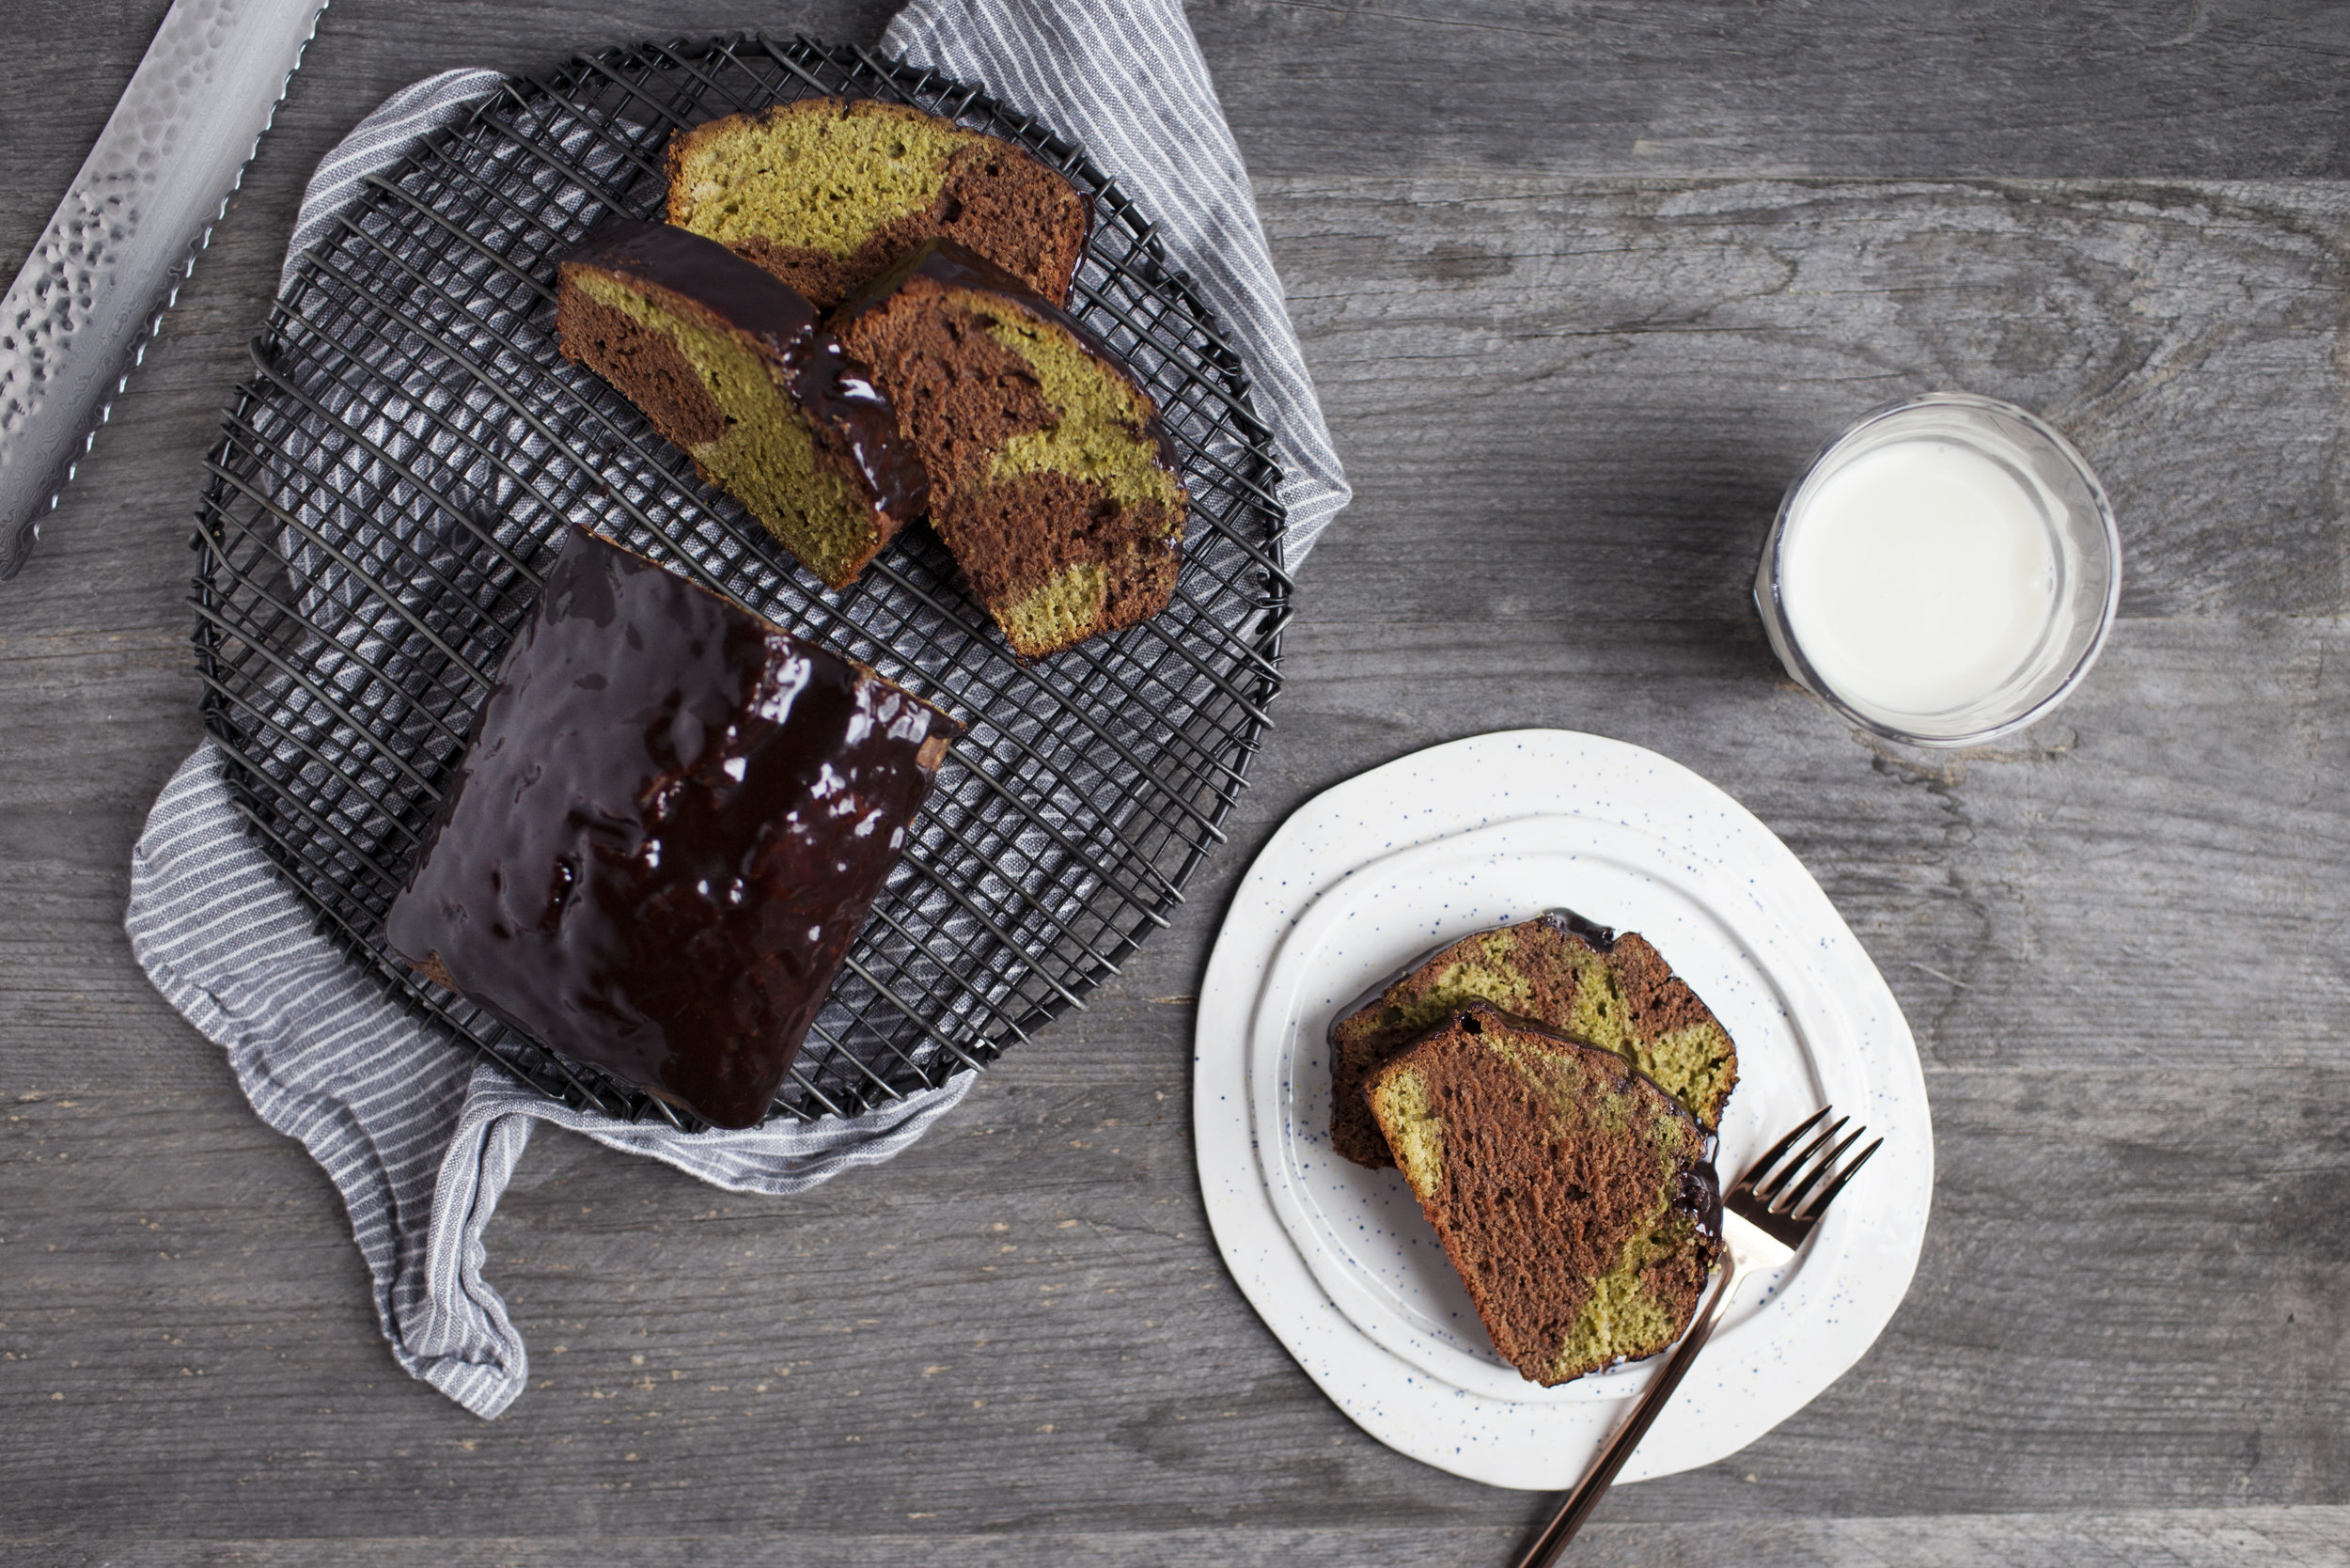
(739, 371)
(827, 193)
(1559, 971)
(1051, 480)
(669, 823)
(1576, 1196)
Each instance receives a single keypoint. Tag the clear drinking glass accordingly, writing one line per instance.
(1944, 572)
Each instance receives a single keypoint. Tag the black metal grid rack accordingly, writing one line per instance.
(392, 481)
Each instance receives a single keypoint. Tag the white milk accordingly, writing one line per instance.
(1919, 577)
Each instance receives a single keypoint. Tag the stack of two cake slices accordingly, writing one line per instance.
(1551, 1090)
(853, 318)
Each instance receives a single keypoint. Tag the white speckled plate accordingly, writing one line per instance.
(1338, 1260)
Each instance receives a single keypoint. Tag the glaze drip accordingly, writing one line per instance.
(830, 387)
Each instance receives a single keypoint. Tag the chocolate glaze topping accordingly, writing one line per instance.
(1601, 937)
(830, 387)
(670, 823)
(953, 266)
(1700, 1196)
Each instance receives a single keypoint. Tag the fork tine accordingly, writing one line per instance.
(1778, 1182)
(1787, 1202)
(1819, 1205)
(1761, 1168)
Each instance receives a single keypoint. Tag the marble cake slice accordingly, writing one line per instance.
(1575, 1196)
(1052, 482)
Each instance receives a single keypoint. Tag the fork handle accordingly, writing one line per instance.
(1576, 1508)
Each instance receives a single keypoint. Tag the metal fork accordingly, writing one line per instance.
(1764, 1218)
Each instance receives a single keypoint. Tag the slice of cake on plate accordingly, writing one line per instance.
(739, 371)
(1563, 972)
(827, 193)
(671, 821)
(1051, 479)
(1575, 1196)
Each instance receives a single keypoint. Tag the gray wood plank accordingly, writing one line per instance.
(1619, 477)
(1022, 1325)
(2071, 868)
(1590, 360)
(2106, 87)
(2188, 801)
(2186, 88)
(2183, 1538)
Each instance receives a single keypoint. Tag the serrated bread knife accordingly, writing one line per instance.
(77, 319)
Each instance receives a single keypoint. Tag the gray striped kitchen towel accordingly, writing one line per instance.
(421, 1138)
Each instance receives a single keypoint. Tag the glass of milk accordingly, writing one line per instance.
(1944, 572)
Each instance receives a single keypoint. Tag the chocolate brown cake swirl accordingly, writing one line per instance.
(669, 827)
(1052, 480)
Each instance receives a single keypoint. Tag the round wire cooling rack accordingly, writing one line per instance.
(395, 478)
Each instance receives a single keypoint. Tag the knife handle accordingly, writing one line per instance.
(78, 318)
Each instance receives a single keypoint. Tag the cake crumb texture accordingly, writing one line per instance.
(826, 193)
(740, 371)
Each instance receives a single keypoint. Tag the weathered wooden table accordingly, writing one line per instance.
(1582, 285)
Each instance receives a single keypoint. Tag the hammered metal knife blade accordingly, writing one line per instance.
(78, 318)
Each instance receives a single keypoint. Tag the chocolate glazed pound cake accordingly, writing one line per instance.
(668, 825)
(1563, 972)
(736, 368)
(825, 193)
(1575, 1196)
(1051, 480)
